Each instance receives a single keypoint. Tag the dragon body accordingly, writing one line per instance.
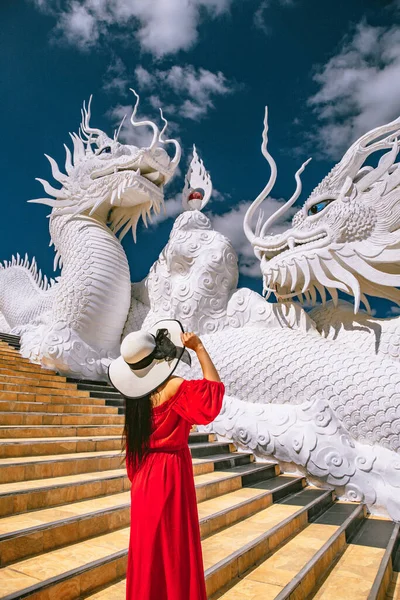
(318, 391)
(74, 325)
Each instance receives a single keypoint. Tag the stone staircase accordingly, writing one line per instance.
(64, 507)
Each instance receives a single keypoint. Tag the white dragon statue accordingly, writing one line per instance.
(319, 392)
(74, 325)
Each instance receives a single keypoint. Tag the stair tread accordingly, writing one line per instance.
(54, 411)
(38, 569)
(102, 453)
(117, 591)
(51, 426)
(58, 439)
(355, 571)
(50, 516)
(55, 563)
(228, 473)
(24, 486)
(221, 545)
(230, 499)
(238, 518)
(57, 457)
(42, 390)
(58, 414)
(279, 569)
(74, 438)
(357, 567)
(393, 592)
(17, 523)
(33, 484)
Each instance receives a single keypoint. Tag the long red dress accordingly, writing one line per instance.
(165, 560)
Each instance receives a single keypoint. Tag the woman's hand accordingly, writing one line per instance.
(191, 340)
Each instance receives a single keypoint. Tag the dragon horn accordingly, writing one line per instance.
(156, 132)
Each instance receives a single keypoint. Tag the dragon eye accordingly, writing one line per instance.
(105, 150)
(316, 208)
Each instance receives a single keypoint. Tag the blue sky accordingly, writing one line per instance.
(328, 71)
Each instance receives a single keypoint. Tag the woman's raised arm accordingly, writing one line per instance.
(192, 341)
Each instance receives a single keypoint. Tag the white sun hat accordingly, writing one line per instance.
(148, 358)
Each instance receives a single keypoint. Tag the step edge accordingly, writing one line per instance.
(102, 454)
(61, 439)
(48, 583)
(247, 501)
(55, 414)
(268, 533)
(92, 513)
(285, 593)
(2, 427)
(387, 558)
(62, 485)
(104, 473)
(231, 476)
(59, 459)
(65, 520)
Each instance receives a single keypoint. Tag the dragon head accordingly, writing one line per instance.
(105, 176)
(347, 234)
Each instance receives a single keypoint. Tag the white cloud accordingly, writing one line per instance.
(116, 77)
(173, 208)
(161, 26)
(394, 311)
(190, 94)
(137, 136)
(359, 88)
(230, 224)
(79, 26)
(259, 18)
(191, 90)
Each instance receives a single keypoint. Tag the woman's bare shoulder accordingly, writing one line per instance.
(173, 385)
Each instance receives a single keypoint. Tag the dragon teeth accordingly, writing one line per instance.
(152, 176)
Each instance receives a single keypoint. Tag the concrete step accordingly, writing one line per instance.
(11, 337)
(42, 530)
(31, 431)
(37, 381)
(390, 570)
(69, 397)
(22, 365)
(21, 496)
(39, 389)
(47, 407)
(42, 446)
(15, 360)
(97, 387)
(297, 561)
(357, 568)
(43, 375)
(64, 507)
(94, 562)
(37, 418)
(38, 467)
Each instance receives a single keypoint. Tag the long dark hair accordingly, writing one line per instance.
(137, 429)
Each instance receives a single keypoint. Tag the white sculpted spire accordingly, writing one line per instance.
(198, 186)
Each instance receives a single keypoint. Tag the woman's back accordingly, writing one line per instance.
(194, 402)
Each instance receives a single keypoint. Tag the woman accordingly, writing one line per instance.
(165, 559)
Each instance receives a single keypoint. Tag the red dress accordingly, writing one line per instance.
(165, 559)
